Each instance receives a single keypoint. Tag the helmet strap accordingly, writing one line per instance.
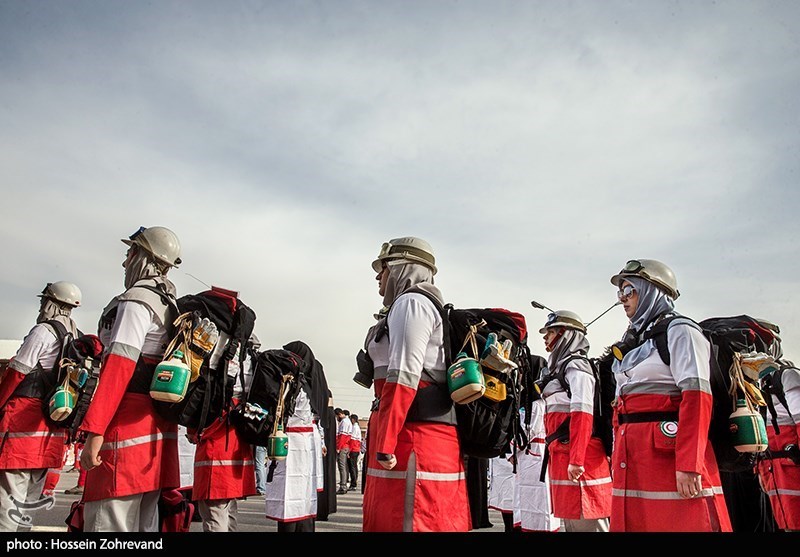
(560, 333)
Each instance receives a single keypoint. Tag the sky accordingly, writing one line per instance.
(537, 145)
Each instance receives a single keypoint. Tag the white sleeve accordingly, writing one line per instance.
(690, 354)
(39, 345)
(411, 321)
(790, 379)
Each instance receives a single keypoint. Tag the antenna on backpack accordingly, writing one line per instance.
(537, 305)
(197, 279)
(615, 304)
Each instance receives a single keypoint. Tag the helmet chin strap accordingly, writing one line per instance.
(550, 345)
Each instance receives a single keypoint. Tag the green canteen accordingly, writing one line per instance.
(278, 445)
(61, 404)
(170, 379)
(748, 429)
(465, 380)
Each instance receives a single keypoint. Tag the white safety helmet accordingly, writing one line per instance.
(409, 248)
(160, 242)
(652, 271)
(563, 318)
(63, 293)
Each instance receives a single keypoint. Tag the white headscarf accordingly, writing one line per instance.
(404, 274)
(142, 265)
(50, 309)
(571, 342)
(653, 302)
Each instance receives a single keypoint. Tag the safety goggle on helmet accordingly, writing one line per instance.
(563, 318)
(651, 270)
(409, 248)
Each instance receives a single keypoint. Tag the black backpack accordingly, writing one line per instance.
(727, 335)
(604, 395)
(255, 414)
(486, 427)
(77, 367)
(210, 394)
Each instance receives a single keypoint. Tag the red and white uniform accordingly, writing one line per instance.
(590, 497)
(532, 508)
(224, 467)
(26, 440)
(292, 494)
(344, 431)
(780, 477)
(140, 449)
(355, 438)
(647, 454)
(426, 490)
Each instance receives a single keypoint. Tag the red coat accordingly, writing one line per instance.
(645, 458)
(223, 465)
(780, 477)
(28, 442)
(436, 475)
(139, 452)
(140, 448)
(590, 498)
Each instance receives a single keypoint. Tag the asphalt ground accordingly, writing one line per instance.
(347, 517)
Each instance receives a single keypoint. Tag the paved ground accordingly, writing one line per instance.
(347, 517)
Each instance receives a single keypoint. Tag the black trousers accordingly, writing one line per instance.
(306, 525)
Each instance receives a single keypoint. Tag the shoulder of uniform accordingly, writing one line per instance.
(678, 320)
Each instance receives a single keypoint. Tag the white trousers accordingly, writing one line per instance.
(219, 515)
(133, 513)
(21, 497)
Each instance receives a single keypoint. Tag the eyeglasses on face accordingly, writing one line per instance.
(625, 292)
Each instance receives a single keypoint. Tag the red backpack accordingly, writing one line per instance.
(176, 510)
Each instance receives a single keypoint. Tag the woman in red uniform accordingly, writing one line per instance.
(131, 453)
(416, 480)
(580, 475)
(29, 445)
(665, 474)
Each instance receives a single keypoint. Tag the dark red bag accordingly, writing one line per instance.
(74, 519)
(175, 510)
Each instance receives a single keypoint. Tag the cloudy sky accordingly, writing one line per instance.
(537, 145)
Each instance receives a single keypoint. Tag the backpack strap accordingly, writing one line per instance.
(40, 382)
(773, 385)
(63, 338)
(659, 335)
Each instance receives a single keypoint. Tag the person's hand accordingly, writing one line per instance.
(324, 451)
(90, 455)
(689, 484)
(574, 472)
(387, 460)
(191, 436)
